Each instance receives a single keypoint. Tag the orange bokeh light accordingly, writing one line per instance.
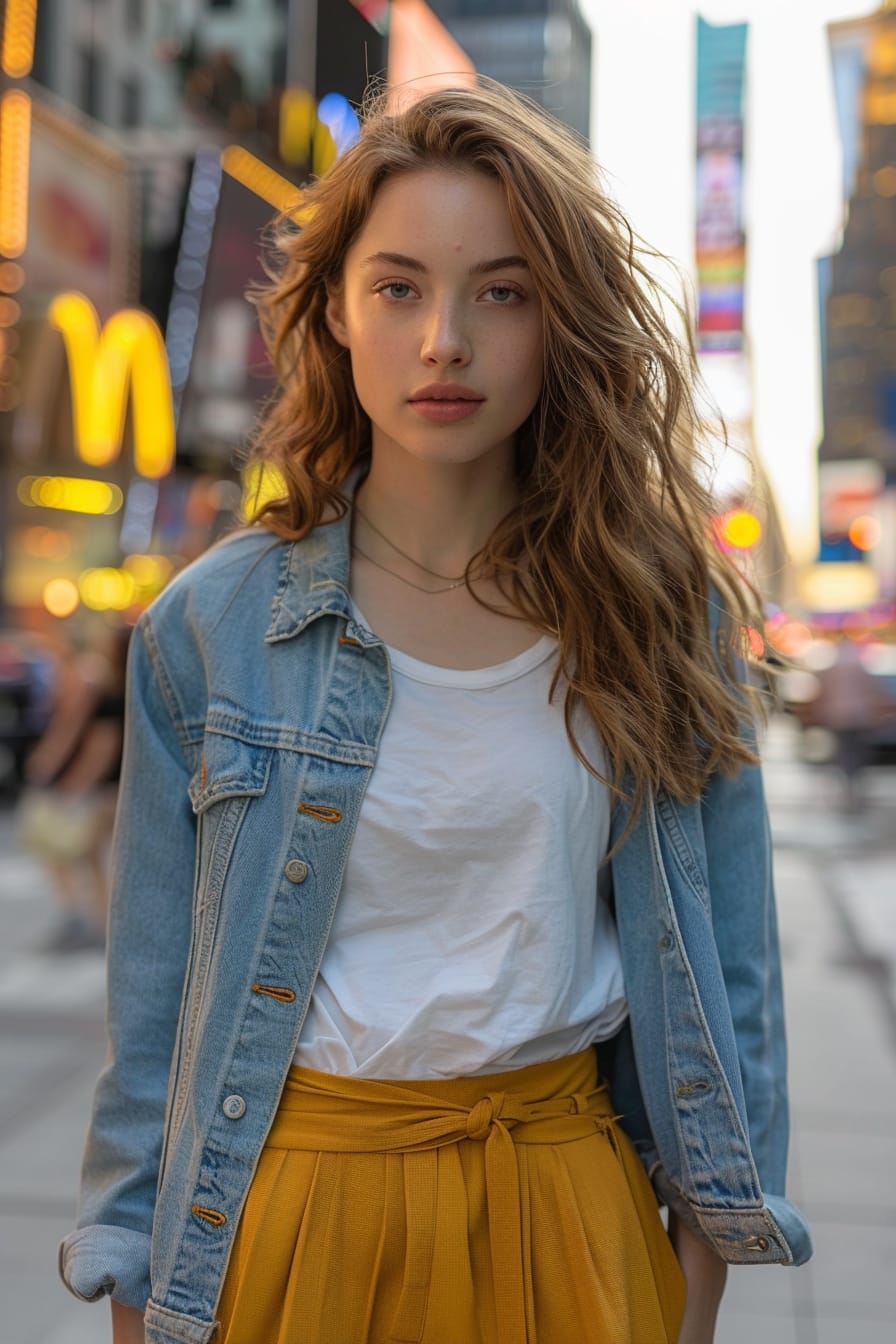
(61, 597)
(864, 532)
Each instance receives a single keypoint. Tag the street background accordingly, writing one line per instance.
(837, 902)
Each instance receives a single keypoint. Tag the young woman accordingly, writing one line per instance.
(435, 781)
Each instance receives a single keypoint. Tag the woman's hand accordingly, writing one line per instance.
(705, 1274)
(127, 1325)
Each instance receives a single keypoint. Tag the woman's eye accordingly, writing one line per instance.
(395, 289)
(503, 294)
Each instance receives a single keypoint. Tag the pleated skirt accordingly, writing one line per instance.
(507, 1209)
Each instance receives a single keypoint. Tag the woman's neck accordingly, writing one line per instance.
(439, 514)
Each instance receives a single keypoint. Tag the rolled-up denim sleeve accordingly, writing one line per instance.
(150, 921)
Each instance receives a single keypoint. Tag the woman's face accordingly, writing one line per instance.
(439, 313)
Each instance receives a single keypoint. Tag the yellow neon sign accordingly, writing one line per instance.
(15, 144)
(126, 355)
(18, 38)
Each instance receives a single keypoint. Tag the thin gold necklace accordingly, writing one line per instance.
(455, 580)
(430, 592)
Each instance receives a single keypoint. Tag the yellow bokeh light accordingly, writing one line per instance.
(740, 529)
(838, 586)
(107, 589)
(70, 493)
(18, 38)
(15, 148)
(297, 118)
(148, 571)
(864, 532)
(271, 186)
(262, 482)
(61, 597)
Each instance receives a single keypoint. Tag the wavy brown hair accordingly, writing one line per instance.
(609, 548)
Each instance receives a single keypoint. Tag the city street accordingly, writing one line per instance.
(837, 901)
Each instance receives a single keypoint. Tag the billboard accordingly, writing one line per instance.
(721, 251)
(79, 216)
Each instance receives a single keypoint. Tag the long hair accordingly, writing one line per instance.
(609, 547)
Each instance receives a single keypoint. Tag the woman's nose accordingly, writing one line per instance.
(445, 341)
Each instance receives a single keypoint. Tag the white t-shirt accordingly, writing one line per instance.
(471, 934)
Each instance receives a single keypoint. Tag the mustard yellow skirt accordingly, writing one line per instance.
(507, 1209)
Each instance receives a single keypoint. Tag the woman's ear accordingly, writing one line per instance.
(335, 317)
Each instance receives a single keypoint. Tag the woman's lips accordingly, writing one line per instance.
(445, 410)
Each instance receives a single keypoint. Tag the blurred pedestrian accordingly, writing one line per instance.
(851, 704)
(435, 778)
(67, 807)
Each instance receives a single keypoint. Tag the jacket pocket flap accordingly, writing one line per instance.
(228, 768)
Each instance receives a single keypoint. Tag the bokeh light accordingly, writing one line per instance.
(61, 597)
(107, 589)
(70, 493)
(791, 638)
(864, 532)
(740, 529)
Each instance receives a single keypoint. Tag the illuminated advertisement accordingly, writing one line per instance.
(79, 221)
(721, 58)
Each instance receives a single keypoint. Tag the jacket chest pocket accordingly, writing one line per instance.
(231, 773)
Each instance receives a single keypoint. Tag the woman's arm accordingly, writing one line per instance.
(705, 1274)
(149, 938)
(127, 1325)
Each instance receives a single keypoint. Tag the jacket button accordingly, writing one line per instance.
(296, 870)
(234, 1107)
(756, 1244)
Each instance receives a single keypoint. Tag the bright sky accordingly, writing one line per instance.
(643, 128)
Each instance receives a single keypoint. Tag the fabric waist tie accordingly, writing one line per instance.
(330, 1113)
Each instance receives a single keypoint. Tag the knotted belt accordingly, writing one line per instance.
(357, 1115)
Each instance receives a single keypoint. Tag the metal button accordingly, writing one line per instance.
(296, 870)
(665, 942)
(234, 1107)
(756, 1244)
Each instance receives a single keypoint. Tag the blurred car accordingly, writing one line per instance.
(799, 686)
(26, 682)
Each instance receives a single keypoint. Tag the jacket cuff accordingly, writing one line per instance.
(103, 1260)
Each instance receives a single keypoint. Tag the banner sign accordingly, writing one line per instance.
(721, 59)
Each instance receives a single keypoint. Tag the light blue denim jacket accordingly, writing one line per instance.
(256, 705)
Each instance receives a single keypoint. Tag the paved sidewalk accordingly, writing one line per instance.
(837, 900)
(836, 882)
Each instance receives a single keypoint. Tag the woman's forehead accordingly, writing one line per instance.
(443, 212)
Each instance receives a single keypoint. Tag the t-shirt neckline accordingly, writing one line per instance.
(471, 679)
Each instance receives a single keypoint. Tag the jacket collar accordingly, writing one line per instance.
(314, 574)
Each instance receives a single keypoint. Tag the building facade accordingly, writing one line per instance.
(857, 454)
(540, 47)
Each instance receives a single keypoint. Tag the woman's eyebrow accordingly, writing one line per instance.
(412, 264)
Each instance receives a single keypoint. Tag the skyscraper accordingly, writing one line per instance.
(860, 317)
(540, 47)
(857, 454)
